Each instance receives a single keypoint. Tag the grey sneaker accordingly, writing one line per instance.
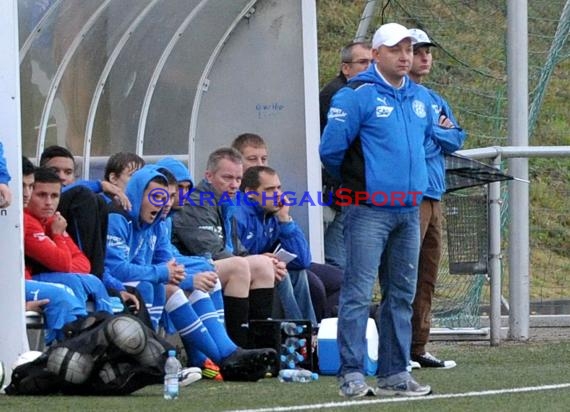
(406, 388)
(356, 389)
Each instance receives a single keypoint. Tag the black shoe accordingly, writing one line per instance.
(248, 364)
(427, 360)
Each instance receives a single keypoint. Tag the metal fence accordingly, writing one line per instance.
(541, 285)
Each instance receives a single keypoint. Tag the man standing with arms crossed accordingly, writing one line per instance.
(431, 216)
(374, 142)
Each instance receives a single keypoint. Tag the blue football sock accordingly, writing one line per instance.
(196, 358)
(192, 331)
(204, 307)
(218, 300)
(157, 310)
(155, 313)
(154, 296)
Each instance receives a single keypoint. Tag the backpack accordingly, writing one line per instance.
(102, 354)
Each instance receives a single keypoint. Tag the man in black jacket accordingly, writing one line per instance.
(355, 58)
(204, 227)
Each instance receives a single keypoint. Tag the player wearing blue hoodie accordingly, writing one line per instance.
(194, 265)
(431, 216)
(201, 283)
(130, 246)
(374, 143)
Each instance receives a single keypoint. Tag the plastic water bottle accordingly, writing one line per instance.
(291, 328)
(289, 361)
(297, 375)
(292, 344)
(171, 369)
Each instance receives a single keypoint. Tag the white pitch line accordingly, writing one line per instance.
(347, 404)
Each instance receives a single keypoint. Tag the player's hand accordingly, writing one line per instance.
(36, 305)
(5, 196)
(280, 270)
(445, 122)
(130, 300)
(116, 193)
(176, 272)
(279, 267)
(58, 224)
(283, 211)
(124, 201)
(205, 281)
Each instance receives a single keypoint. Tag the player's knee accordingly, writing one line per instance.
(261, 268)
(240, 264)
(241, 271)
(171, 290)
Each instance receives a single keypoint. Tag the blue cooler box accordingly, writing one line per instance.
(327, 348)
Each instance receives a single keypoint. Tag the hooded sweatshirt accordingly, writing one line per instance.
(375, 137)
(163, 230)
(177, 168)
(132, 243)
(447, 143)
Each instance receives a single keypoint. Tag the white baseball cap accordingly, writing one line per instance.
(420, 38)
(390, 34)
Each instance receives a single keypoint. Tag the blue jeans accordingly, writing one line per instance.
(295, 297)
(335, 253)
(375, 237)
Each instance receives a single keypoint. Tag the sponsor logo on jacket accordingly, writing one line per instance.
(337, 114)
(383, 111)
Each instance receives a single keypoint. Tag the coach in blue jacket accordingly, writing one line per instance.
(374, 143)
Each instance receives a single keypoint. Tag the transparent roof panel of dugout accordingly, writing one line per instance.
(117, 76)
(192, 49)
(116, 123)
(80, 86)
(41, 55)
